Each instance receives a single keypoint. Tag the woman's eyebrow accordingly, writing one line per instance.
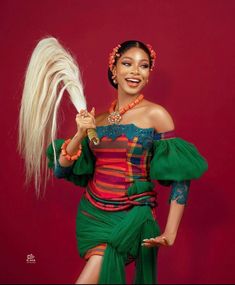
(127, 57)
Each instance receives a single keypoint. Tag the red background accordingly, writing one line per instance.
(193, 80)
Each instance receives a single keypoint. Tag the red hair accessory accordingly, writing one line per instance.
(152, 55)
(113, 55)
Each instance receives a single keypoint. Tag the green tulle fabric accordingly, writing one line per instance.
(176, 160)
(83, 167)
(123, 231)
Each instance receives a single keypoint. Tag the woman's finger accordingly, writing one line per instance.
(93, 111)
(155, 241)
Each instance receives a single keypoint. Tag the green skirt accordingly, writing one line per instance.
(123, 232)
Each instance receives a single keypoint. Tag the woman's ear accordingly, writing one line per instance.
(114, 70)
(114, 75)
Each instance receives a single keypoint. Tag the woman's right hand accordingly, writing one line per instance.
(85, 121)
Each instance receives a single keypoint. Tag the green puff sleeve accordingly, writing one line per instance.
(82, 169)
(175, 159)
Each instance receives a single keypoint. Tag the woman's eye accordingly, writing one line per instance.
(126, 63)
(145, 66)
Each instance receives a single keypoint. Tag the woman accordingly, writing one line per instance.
(116, 221)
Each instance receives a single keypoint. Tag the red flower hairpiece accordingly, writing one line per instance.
(113, 55)
(152, 55)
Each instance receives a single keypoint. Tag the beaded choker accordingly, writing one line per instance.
(115, 116)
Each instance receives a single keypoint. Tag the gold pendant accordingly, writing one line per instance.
(114, 118)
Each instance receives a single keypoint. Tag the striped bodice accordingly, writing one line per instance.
(123, 155)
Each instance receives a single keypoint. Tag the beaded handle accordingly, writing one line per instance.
(92, 135)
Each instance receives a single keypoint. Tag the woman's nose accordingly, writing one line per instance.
(135, 70)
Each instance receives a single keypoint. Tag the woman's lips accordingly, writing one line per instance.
(133, 82)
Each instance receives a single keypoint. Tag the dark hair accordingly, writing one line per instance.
(125, 46)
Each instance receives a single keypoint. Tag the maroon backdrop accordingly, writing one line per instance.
(193, 80)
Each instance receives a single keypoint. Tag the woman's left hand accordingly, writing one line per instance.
(162, 240)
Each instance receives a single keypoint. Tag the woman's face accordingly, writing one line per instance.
(132, 71)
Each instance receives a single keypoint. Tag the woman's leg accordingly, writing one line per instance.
(91, 271)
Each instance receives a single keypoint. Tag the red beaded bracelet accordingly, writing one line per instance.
(66, 155)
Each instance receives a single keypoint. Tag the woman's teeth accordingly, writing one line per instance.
(133, 80)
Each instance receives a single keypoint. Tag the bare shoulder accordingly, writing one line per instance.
(160, 118)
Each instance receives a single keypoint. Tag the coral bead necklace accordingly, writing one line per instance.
(116, 116)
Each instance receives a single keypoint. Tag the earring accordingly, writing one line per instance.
(114, 79)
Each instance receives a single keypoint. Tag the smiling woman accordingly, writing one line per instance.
(137, 55)
(116, 221)
(132, 71)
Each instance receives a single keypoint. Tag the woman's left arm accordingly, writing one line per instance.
(175, 162)
(163, 122)
(173, 221)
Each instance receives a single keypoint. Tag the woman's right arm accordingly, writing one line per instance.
(84, 121)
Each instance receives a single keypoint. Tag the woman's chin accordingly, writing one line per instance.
(132, 90)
